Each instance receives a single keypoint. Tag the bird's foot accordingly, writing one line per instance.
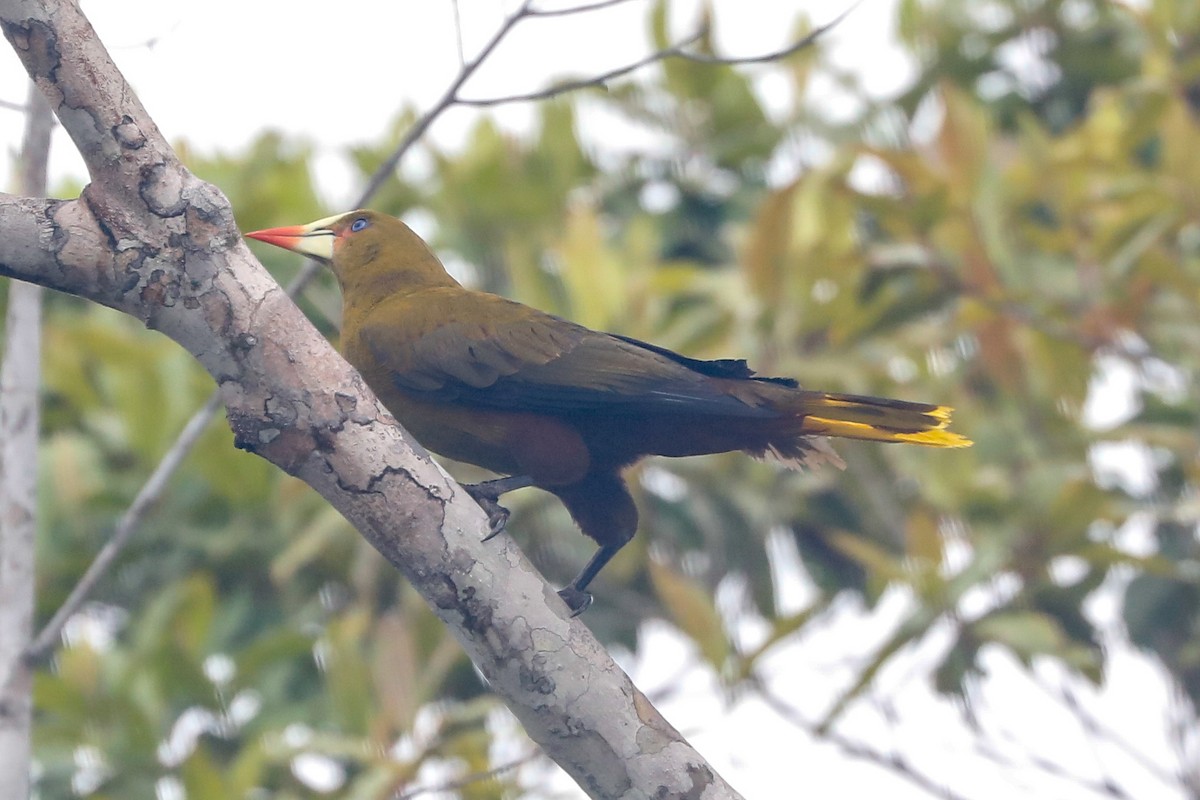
(576, 599)
(486, 494)
(497, 514)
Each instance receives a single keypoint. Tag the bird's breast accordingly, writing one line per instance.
(547, 449)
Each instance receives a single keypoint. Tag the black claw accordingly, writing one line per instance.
(496, 523)
(497, 514)
(485, 495)
(576, 600)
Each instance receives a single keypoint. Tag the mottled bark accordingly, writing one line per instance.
(148, 238)
(20, 376)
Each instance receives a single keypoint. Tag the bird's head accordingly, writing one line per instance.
(365, 250)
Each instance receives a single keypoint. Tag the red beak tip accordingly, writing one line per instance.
(279, 237)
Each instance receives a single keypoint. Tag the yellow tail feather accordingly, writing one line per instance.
(936, 437)
(879, 420)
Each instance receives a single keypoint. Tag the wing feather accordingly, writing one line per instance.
(497, 354)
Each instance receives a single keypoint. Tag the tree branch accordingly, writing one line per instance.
(586, 83)
(573, 10)
(150, 239)
(469, 779)
(776, 55)
(894, 762)
(678, 50)
(20, 380)
(46, 640)
(458, 35)
(156, 484)
(448, 98)
(1098, 730)
(175, 455)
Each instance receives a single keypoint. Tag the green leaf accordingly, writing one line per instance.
(204, 779)
(691, 608)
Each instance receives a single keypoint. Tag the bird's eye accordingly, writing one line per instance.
(358, 225)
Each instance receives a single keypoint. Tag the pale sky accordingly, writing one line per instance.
(219, 72)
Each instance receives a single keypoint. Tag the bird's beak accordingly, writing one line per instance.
(314, 239)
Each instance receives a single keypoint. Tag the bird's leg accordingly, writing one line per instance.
(486, 493)
(575, 593)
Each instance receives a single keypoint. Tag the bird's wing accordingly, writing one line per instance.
(483, 350)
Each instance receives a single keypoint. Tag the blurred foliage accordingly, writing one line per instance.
(1017, 225)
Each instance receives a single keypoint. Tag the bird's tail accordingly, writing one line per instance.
(876, 419)
(810, 416)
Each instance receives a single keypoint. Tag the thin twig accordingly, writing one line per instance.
(11, 106)
(791, 49)
(467, 780)
(1093, 726)
(449, 97)
(458, 34)
(175, 455)
(384, 171)
(151, 490)
(20, 412)
(988, 750)
(586, 83)
(571, 10)
(48, 637)
(894, 762)
(35, 149)
(678, 50)
(147, 496)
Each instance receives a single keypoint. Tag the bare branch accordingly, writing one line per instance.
(596, 81)
(448, 99)
(35, 149)
(11, 106)
(48, 637)
(1095, 731)
(580, 9)
(1099, 787)
(776, 55)
(151, 491)
(467, 780)
(50, 634)
(175, 455)
(678, 50)
(150, 239)
(893, 762)
(986, 746)
(451, 96)
(458, 35)
(1095, 728)
(20, 380)
(151, 42)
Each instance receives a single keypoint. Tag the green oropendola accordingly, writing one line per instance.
(549, 403)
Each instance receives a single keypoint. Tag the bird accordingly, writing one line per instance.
(545, 402)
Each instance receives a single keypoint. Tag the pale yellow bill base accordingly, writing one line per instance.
(314, 239)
